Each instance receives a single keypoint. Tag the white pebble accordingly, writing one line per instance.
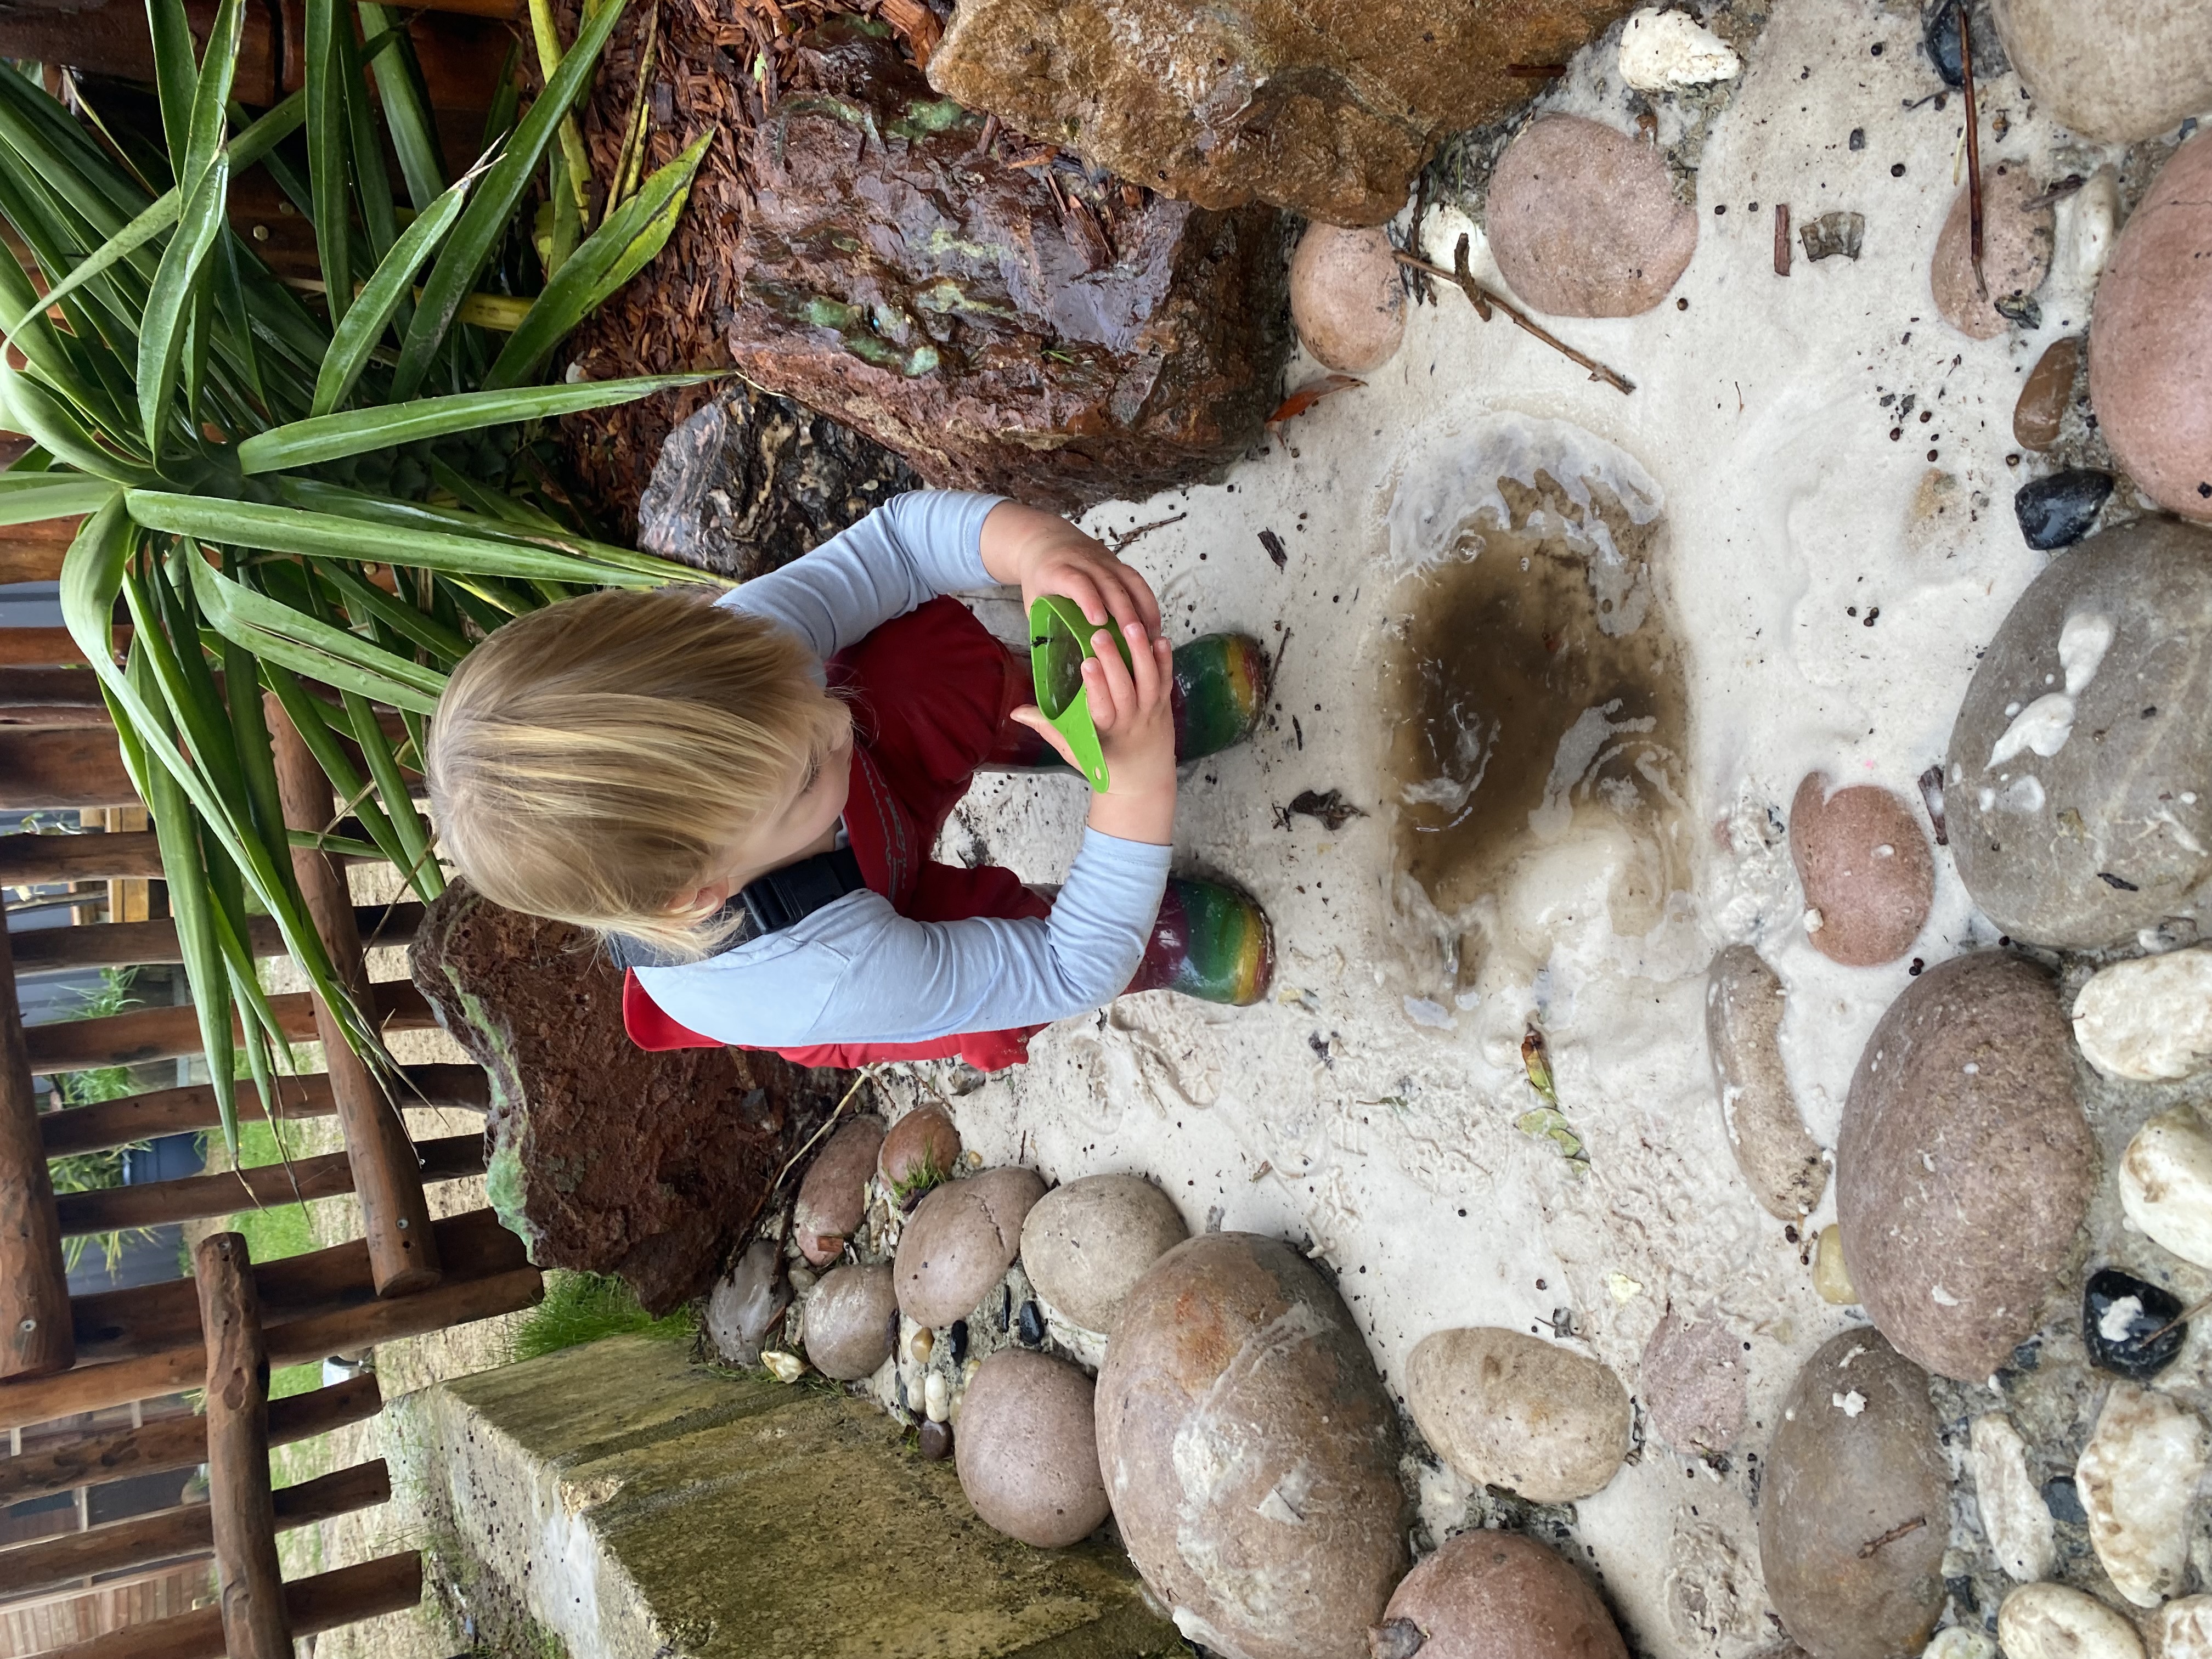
(1960, 1641)
(787, 1367)
(2014, 1514)
(2166, 1183)
(937, 1397)
(2049, 1621)
(2183, 1629)
(2149, 1019)
(2138, 1476)
(1662, 51)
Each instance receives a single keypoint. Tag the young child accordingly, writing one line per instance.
(741, 796)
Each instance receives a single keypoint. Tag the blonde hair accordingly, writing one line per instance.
(589, 762)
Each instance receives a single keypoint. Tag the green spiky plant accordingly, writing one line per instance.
(284, 498)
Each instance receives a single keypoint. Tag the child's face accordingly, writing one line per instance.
(813, 801)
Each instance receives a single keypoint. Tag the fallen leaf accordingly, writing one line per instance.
(1538, 1064)
(1307, 395)
(1331, 808)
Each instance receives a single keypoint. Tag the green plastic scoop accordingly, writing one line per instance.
(1060, 641)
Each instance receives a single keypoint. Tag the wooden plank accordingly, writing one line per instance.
(36, 648)
(37, 860)
(34, 1312)
(178, 1442)
(395, 1216)
(183, 1532)
(129, 898)
(345, 1595)
(33, 552)
(62, 767)
(131, 944)
(242, 1511)
(49, 688)
(103, 1123)
(142, 1034)
(196, 1198)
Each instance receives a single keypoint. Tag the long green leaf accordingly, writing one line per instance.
(327, 158)
(139, 232)
(419, 868)
(271, 629)
(175, 75)
(407, 116)
(51, 495)
(371, 184)
(364, 325)
(364, 598)
(485, 222)
(212, 99)
(161, 334)
(311, 717)
(29, 408)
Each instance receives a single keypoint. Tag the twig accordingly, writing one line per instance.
(1115, 543)
(867, 1075)
(1973, 147)
(1483, 299)
(2181, 1318)
(1781, 239)
(1891, 1536)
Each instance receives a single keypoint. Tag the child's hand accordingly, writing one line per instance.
(1132, 706)
(1042, 555)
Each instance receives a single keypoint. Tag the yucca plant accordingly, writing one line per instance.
(309, 501)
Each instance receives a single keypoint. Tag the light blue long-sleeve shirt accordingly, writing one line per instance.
(856, 971)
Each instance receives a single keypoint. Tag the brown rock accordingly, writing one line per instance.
(1060, 348)
(1329, 112)
(1744, 1005)
(922, 1150)
(1964, 1167)
(1028, 1452)
(852, 1321)
(959, 1243)
(1499, 1596)
(1584, 222)
(834, 1193)
(1864, 864)
(606, 1158)
(2043, 399)
(1347, 301)
(1855, 1510)
(1508, 1409)
(1251, 1453)
(1692, 1382)
(1087, 1244)
(2150, 341)
(2016, 241)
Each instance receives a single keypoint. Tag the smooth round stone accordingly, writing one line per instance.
(1508, 1409)
(2183, 1629)
(2049, 1621)
(1855, 1459)
(2016, 245)
(2114, 70)
(1692, 1382)
(2150, 1019)
(919, 1150)
(1251, 1453)
(934, 1440)
(1498, 1596)
(833, 1196)
(2137, 1477)
(2078, 787)
(2014, 1517)
(1965, 1166)
(2041, 410)
(2150, 341)
(1744, 1005)
(1027, 1451)
(2130, 1326)
(2058, 510)
(1960, 1641)
(959, 1243)
(745, 1301)
(1086, 1244)
(1667, 50)
(1584, 220)
(1347, 301)
(852, 1321)
(1864, 864)
(2166, 1183)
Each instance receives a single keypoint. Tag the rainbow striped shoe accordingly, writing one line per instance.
(1221, 683)
(1212, 942)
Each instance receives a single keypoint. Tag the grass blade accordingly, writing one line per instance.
(162, 336)
(364, 325)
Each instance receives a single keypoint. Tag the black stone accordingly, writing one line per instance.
(2132, 1355)
(2063, 1499)
(959, 1341)
(1939, 40)
(936, 1441)
(2058, 510)
(1032, 1325)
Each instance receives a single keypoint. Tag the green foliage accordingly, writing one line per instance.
(581, 1308)
(331, 505)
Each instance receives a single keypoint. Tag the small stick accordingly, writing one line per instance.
(1892, 1535)
(2181, 1318)
(1127, 536)
(867, 1075)
(1483, 299)
(1781, 239)
(1973, 147)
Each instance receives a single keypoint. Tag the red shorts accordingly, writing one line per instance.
(931, 693)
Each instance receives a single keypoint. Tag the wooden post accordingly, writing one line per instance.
(144, 1033)
(34, 1312)
(346, 1596)
(241, 1511)
(34, 860)
(128, 943)
(102, 1123)
(65, 766)
(195, 1198)
(395, 1216)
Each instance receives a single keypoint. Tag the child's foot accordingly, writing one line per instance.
(1220, 690)
(1212, 942)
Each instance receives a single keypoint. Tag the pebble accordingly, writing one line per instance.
(1087, 1244)
(1497, 1596)
(1029, 1325)
(2149, 1019)
(1963, 1166)
(1251, 1453)
(833, 1196)
(1864, 864)
(958, 1337)
(1855, 1505)
(2138, 1475)
(1832, 1278)
(784, 1367)
(1667, 50)
(1960, 1641)
(852, 1321)
(1028, 1454)
(2036, 417)
(2114, 70)
(2130, 1326)
(2049, 1621)
(959, 1243)
(1583, 220)
(749, 1299)
(1832, 234)
(1347, 301)
(2078, 787)
(2183, 1629)
(2017, 246)
(1508, 1409)
(920, 1345)
(2150, 340)
(1939, 40)
(2014, 1517)
(1744, 1005)
(920, 1150)
(2166, 1183)
(936, 1441)
(1692, 1382)
(936, 1397)
(2058, 510)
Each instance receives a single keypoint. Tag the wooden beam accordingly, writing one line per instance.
(33, 552)
(241, 1510)
(128, 943)
(104, 1123)
(345, 1596)
(196, 1198)
(49, 688)
(62, 767)
(34, 1310)
(38, 647)
(37, 860)
(139, 1035)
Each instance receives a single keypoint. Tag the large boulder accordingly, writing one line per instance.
(606, 1157)
(2078, 789)
(2115, 70)
(1030, 330)
(1327, 109)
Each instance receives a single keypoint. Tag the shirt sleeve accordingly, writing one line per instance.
(857, 971)
(907, 551)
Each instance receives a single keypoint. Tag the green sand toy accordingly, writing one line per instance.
(1060, 643)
